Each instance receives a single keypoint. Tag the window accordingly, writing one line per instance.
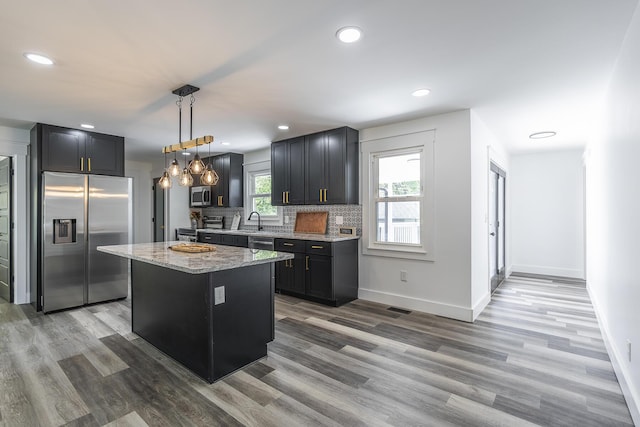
(398, 206)
(399, 198)
(258, 195)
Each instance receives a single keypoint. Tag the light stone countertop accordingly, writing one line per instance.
(279, 235)
(223, 258)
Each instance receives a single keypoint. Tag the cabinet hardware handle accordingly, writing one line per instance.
(283, 193)
(321, 194)
(287, 197)
(291, 263)
(317, 247)
(81, 164)
(287, 244)
(89, 160)
(306, 261)
(325, 194)
(219, 200)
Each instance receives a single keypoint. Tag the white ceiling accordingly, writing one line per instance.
(523, 65)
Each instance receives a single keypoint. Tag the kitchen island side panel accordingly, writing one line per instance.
(172, 310)
(243, 323)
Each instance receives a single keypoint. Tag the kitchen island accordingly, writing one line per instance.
(213, 312)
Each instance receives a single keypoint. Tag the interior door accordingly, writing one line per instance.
(497, 186)
(6, 291)
(158, 211)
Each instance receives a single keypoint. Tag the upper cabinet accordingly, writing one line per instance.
(228, 192)
(71, 150)
(321, 168)
(287, 172)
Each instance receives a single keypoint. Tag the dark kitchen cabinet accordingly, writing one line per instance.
(238, 240)
(331, 167)
(321, 168)
(325, 272)
(70, 150)
(287, 172)
(228, 192)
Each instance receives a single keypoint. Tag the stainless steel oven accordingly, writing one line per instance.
(200, 196)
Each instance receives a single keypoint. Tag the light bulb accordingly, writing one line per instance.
(196, 166)
(186, 180)
(174, 168)
(209, 176)
(165, 180)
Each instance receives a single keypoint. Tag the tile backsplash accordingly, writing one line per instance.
(351, 216)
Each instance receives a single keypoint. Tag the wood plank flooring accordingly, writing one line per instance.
(535, 356)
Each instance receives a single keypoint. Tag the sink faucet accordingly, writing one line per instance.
(251, 214)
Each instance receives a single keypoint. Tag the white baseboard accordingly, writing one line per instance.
(548, 271)
(629, 392)
(465, 314)
(481, 305)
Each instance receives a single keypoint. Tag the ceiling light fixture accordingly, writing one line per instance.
(283, 127)
(87, 126)
(542, 135)
(40, 59)
(349, 34)
(225, 143)
(185, 174)
(421, 92)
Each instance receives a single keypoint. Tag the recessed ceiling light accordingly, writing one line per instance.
(184, 153)
(40, 59)
(541, 135)
(421, 92)
(225, 143)
(283, 127)
(349, 34)
(87, 126)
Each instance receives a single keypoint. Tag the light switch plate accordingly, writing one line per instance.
(218, 295)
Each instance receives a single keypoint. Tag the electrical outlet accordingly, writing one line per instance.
(629, 349)
(403, 275)
(286, 219)
(339, 220)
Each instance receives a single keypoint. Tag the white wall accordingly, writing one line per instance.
(547, 213)
(485, 148)
(613, 218)
(14, 143)
(442, 286)
(142, 200)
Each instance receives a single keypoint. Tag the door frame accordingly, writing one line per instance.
(164, 213)
(11, 275)
(496, 280)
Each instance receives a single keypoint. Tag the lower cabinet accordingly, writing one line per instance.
(224, 239)
(325, 272)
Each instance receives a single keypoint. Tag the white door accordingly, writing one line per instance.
(497, 187)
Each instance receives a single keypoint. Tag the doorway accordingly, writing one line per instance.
(158, 211)
(497, 187)
(6, 288)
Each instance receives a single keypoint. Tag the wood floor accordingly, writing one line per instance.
(534, 357)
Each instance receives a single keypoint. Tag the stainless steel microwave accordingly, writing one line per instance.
(200, 196)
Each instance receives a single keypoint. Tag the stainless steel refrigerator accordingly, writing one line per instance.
(80, 213)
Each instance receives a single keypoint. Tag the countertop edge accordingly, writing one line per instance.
(279, 235)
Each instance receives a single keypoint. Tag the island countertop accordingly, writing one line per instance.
(222, 258)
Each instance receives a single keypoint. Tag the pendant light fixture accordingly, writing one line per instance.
(196, 166)
(209, 176)
(165, 180)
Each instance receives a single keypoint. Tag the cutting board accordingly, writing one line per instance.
(192, 248)
(311, 222)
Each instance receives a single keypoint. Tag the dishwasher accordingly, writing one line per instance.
(260, 242)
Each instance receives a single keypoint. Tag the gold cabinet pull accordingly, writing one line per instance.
(287, 197)
(81, 164)
(283, 197)
(89, 161)
(219, 200)
(287, 244)
(317, 247)
(306, 262)
(321, 194)
(325, 194)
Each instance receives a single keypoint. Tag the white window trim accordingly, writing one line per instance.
(250, 170)
(425, 142)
